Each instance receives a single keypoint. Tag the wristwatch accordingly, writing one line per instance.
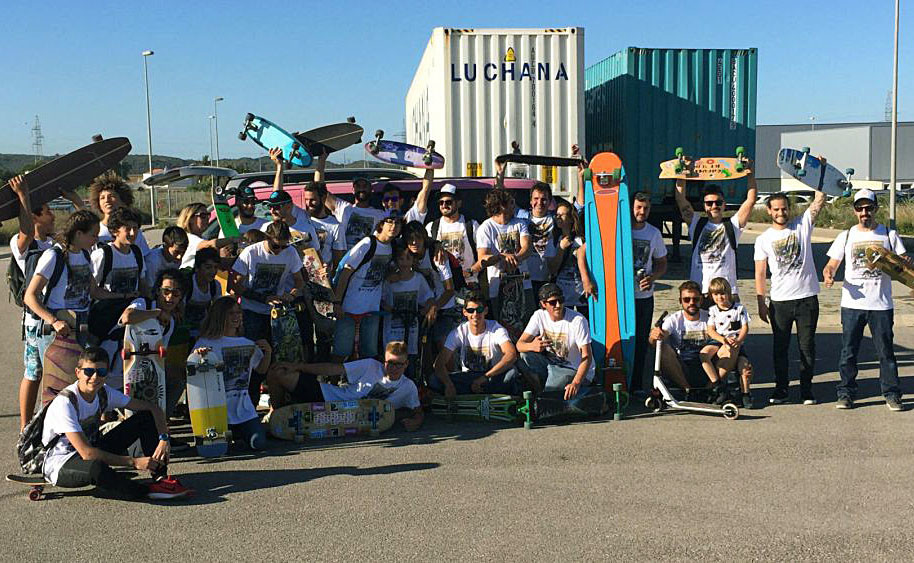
(164, 437)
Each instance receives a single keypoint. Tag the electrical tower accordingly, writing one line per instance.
(37, 140)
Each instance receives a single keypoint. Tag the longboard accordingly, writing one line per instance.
(65, 173)
(332, 419)
(62, 355)
(707, 168)
(207, 405)
(224, 215)
(539, 160)
(809, 170)
(483, 407)
(892, 264)
(625, 280)
(595, 265)
(331, 138)
(404, 154)
(144, 362)
(318, 283)
(513, 302)
(183, 172)
(287, 344)
(271, 136)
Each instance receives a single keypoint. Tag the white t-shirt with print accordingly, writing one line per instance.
(497, 239)
(687, 337)
(105, 236)
(408, 295)
(865, 288)
(72, 289)
(302, 228)
(265, 273)
(193, 241)
(729, 321)
(197, 305)
(540, 229)
(61, 417)
(454, 239)
(365, 288)
(788, 252)
(568, 277)
(713, 257)
(439, 273)
(566, 336)
(330, 236)
(155, 262)
(124, 275)
(19, 257)
(368, 381)
(647, 246)
(239, 356)
(477, 352)
(357, 222)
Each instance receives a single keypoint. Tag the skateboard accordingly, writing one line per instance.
(890, 263)
(36, 484)
(660, 398)
(144, 362)
(552, 406)
(333, 419)
(318, 282)
(65, 173)
(331, 138)
(810, 171)
(270, 136)
(60, 359)
(711, 168)
(403, 154)
(536, 159)
(625, 282)
(513, 301)
(479, 407)
(224, 215)
(175, 174)
(287, 344)
(207, 405)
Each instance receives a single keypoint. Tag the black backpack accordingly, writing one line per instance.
(15, 277)
(468, 225)
(104, 313)
(61, 261)
(372, 248)
(29, 448)
(108, 262)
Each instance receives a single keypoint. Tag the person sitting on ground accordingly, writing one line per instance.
(478, 355)
(728, 323)
(365, 379)
(221, 341)
(687, 351)
(166, 256)
(79, 455)
(106, 194)
(555, 347)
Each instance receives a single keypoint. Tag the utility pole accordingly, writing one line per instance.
(893, 170)
(37, 140)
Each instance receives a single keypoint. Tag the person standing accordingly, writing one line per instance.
(649, 254)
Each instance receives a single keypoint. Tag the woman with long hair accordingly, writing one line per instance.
(569, 265)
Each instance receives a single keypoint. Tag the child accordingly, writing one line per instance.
(168, 256)
(407, 296)
(202, 289)
(728, 323)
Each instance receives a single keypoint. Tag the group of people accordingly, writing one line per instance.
(395, 280)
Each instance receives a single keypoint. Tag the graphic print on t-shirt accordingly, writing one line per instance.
(452, 242)
(642, 253)
(321, 236)
(380, 392)
(476, 359)
(266, 278)
(540, 232)
(787, 254)
(711, 244)
(404, 302)
(859, 262)
(509, 243)
(123, 280)
(77, 293)
(557, 342)
(376, 270)
(358, 227)
(236, 360)
(692, 343)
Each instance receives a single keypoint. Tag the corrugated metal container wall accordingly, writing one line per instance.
(477, 91)
(643, 103)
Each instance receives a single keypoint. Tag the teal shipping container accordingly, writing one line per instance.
(643, 103)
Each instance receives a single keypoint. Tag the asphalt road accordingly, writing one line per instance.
(789, 482)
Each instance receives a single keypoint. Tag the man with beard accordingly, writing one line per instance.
(786, 248)
(456, 232)
(866, 300)
(246, 201)
(329, 230)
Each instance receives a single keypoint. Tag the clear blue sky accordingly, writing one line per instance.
(78, 65)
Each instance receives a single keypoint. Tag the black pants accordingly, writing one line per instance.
(805, 313)
(78, 472)
(644, 313)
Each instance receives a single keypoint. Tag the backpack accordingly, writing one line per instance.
(15, 277)
(457, 277)
(104, 314)
(372, 248)
(61, 261)
(29, 448)
(731, 236)
(108, 261)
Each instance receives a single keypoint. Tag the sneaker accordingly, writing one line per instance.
(779, 397)
(808, 399)
(844, 403)
(747, 401)
(894, 404)
(723, 395)
(167, 488)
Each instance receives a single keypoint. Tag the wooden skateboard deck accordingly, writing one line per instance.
(479, 407)
(36, 484)
(287, 344)
(318, 282)
(403, 154)
(65, 173)
(62, 355)
(331, 138)
(707, 168)
(809, 170)
(892, 264)
(625, 280)
(539, 160)
(183, 172)
(332, 419)
(207, 405)
(144, 362)
(513, 300)
(271, 136)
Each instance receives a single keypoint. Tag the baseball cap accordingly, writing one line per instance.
(278, 198)
(549, 291)
(865, 193)
(247, 193)
(449, 189)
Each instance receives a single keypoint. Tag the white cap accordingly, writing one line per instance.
(865, 193)
(259, 184)
(449, 189)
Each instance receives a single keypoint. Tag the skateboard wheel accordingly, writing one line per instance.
(730, 411)
(35, 494)
(679, 152)
(740, 167)
(124, 354)
(805, 150)
(617, 174)
(350, 119)
(243, 136)
(528, 425)
(653, 403)
(740, 151)
(219, 190)
(679, 168)
(274, 313)
(849, 171)
(528, 395)
(379, 133)
(249, 117)
(801, 172)
(588, 174)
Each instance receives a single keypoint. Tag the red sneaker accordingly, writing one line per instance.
(168, 488)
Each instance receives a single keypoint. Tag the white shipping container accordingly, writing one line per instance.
(478, 90)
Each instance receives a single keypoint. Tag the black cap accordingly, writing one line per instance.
(279, 198)
(550, 290)
(247, 193)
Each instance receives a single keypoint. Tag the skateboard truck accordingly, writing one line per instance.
(248, 120)
(429, 151)
(800, 165)
(526, 410)
(375, 146)
(620, 405)
(848, 184)
(741, 155)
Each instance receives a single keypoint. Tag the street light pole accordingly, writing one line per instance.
(893, 178)
(216, 122)
(152, 189)
(209, 122)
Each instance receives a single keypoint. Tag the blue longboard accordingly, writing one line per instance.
(594, 256)
(625, 285)
(271, 136)
(810, 171)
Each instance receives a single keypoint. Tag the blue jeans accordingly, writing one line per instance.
(555, 375)
(251, 433)
(880, 322)
(506, 383)
(344, 336)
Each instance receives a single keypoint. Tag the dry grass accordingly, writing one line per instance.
(840, 215)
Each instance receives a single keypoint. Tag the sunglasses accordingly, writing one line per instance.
(689, 299)
(280, 244)
(447, 202)
(395, 364)
(247, 201)
(392, 199)
(472, 310)
(867, 208)
(554, 302)
(714, 203)
(166, 291)
(89, 372)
